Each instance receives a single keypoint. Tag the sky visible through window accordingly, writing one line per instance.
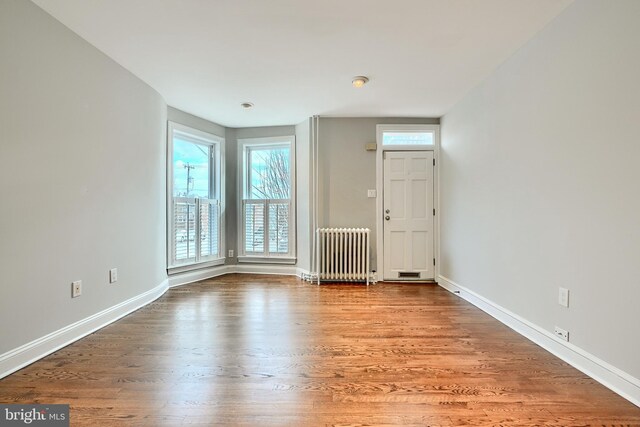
(407, 138)
(190, 169)
(270, 173)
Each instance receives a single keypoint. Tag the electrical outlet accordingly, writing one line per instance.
(113, 275)
(372, 194)
(230, 253)
(563, 297)
(76, 289)
(561, 333)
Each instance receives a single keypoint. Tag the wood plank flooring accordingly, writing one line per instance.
(277, 351)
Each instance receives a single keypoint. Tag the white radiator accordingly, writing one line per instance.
(342, 254)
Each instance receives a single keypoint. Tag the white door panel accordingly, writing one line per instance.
(408, 215)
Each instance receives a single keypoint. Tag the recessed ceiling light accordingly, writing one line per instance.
(246, 105)
(359, 81)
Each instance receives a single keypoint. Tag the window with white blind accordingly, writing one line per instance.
(267, 219)
(195, 197)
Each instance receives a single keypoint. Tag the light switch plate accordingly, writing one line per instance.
(372, 193)
(563, 297)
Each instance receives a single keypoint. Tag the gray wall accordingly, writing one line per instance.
(347, 171)
(82, 180)
(231, 178)
(303, 194)
(540, 181)
(178, 116)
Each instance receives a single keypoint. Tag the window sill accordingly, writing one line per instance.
(267, 260)
(197, 266)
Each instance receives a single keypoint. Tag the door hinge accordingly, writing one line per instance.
(434, 162)
(434, 261)
(434, 212)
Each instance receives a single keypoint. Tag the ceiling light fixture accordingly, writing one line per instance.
(359, 81)
(246, 105)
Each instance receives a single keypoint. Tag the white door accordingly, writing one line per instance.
(408, 215)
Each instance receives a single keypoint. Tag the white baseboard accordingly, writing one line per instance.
(208, 273)
(180, 279)
(606, 374)
(26, 354)
(285, 270)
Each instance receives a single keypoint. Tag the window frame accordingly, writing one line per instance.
(216, 145)
(244, 147)
(401, 128)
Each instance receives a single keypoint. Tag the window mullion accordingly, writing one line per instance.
(266, 228)
(196, 239)
(247, 187)
(213, 184)
(173, 237)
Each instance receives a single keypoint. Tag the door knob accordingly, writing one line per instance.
(387, 217)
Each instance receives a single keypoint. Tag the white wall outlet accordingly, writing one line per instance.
(372, 193)
(561, 333)
(113, 275)
(76, 289)
(230, 253)
(563, 297)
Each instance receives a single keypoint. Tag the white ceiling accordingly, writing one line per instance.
(296, 58)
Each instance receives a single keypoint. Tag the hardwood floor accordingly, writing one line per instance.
(273, 350)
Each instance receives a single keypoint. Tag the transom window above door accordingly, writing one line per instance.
(407, 138)
(411, 137)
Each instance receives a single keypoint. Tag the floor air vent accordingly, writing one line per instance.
(408, 275)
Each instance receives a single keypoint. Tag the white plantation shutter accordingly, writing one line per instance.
(209, 228)
(196, 230)
(254, 222)
(279, 227)
(184, 229)
(266, 227)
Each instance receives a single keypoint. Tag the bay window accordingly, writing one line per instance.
(195, 197)
(267, 219)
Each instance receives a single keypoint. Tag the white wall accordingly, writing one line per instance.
(541, 183)
(82, 177)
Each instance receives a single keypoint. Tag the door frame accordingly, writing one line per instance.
(380, 129)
